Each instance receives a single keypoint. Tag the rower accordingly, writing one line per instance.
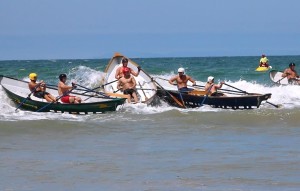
(128, 84)
(213, 88)
(119, 72)
(291, 74)
(64, 90)
(39, 88)
(182, 80)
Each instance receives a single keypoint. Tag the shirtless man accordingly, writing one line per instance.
(213, 88)
(182, 81)
(291, 74)
(63, 90)
(119, 72)
(39, 89)
(127, 83)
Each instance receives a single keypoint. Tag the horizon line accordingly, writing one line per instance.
(143, 57)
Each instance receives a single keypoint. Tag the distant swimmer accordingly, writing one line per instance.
(212, 87)
(291, 74)
(182, 80)
(39, 88)
(263, 62)
(119, 72)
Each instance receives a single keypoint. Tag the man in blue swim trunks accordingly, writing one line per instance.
(182, 80)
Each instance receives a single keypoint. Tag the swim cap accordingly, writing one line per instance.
(210, 78)
(61, 76)
(181, 70)
(125, 70)
(292, 64)
(32, 76)
(124, 60)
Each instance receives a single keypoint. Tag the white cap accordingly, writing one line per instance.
(210, 78)
(181, 70)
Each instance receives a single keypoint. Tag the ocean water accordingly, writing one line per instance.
(142, 147)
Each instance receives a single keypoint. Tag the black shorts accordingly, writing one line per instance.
(217, 94)
(40, 94)
(129, 91)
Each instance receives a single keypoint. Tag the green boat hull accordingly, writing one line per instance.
(98, 106)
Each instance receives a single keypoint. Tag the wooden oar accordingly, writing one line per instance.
(280, 79)
(66, 93)
(143, 91)
(206, 95)
(275, 105)
(174, 98)
(146, 89)
(24, 100)
(181, 96)
(242, 91)
(102, 86)
(224, 90)
(91, 90)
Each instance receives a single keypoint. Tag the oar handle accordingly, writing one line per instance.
(206, 95)
(91, 90)
(146, 98)
(280, 79)
(277, 106)
(38, 85)
(236, 88)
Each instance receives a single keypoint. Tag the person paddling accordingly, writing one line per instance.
(291, 74)
(119, 72)
(263, 62)
(182, 80)
(39, 88)
(63, 90)
(212, 87)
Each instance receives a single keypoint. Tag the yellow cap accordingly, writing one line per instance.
(32, 76)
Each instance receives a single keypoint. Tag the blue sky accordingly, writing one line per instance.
(54, 29)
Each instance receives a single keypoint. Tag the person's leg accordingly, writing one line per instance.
(127, 93)
(71, 99)
(135, 97)
(77, 100)
(52, 97)
(48, 98)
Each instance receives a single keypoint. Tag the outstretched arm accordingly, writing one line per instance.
(135, 73)
(117, 73)
(172, 80)
(285, 73)
(219, 85)
(192, 80)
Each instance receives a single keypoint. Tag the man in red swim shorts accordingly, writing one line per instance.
(63, 89)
